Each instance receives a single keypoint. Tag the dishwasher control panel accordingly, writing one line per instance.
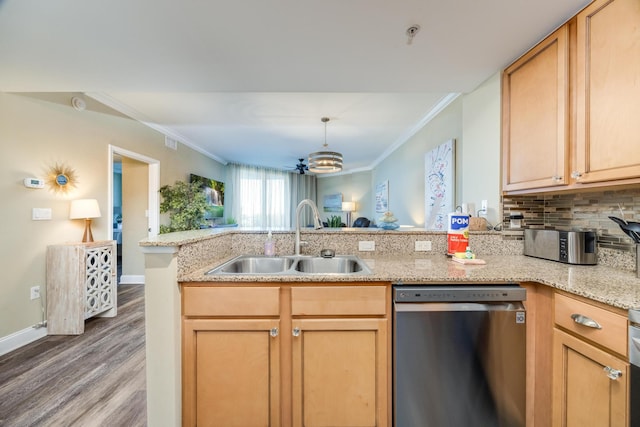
(455, 293)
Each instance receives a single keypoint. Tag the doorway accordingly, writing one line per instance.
(134, 208)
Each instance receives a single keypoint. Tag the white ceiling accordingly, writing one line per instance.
(247, 81)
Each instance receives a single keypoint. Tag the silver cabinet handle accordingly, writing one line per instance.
(576, 175)
(296, 332)
(612, 373)
(585, 321)
(273, 332)
(557, 178)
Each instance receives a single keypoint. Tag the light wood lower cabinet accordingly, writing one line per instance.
(291, 355)
(338, 369)
(584, 393)
(590, 379)
(231, 373)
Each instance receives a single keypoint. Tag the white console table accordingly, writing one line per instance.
(81, 283)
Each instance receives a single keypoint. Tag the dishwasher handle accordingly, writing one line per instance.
(458, 306)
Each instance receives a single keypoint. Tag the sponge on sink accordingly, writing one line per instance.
(463, 255)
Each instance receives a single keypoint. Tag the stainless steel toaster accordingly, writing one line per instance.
(571, 247)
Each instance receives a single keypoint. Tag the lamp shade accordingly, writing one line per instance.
(348, 206)
(84, 208)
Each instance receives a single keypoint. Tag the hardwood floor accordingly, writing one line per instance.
(93, 379)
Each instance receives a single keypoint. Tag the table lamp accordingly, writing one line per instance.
(85, 209)
(348, 207)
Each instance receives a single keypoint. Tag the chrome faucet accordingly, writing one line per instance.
(317, 222)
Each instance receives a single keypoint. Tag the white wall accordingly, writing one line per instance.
(34, 135)
(354, 187)
(404, 168)
(479, 154)
(473, 120)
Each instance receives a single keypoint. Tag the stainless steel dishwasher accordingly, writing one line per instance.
(459, 356)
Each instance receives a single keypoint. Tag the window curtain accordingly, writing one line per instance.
(261, 197)
(302, 187)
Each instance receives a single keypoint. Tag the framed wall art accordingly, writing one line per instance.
(439, 185)
(214, 192)
(332, 202)
(382, 196)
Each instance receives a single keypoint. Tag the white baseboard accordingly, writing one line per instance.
(21, 338)
(132, 279)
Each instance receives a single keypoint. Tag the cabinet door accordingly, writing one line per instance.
(340, 372)
(100, 282)
(535, 112)
(231, 373)
(583, 393)
(607, 91)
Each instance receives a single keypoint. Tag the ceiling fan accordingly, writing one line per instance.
(301, 167)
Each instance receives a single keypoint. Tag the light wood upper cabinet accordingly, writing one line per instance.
(535, 116)
(608, 91)
(570, 109)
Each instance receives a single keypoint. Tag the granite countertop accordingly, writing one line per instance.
(604, 284)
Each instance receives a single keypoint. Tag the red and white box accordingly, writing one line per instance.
(457, 233)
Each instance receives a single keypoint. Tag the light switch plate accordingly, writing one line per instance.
(423, 245)
(41, 214)
(366, 245)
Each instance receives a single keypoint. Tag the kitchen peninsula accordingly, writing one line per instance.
(177, 260)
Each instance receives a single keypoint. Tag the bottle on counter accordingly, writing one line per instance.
(269, 245)
(468, 253)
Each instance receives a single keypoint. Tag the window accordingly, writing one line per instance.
(261, 197)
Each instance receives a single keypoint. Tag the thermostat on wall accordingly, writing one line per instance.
(34, 183)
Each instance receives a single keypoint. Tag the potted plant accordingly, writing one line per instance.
(186, 204)
(334, 221)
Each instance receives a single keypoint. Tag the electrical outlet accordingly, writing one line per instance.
(35, 292)
(484, 206)
(423, 245)
(365, 246)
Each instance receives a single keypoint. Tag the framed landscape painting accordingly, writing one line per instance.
(214, 191)
(332, 202)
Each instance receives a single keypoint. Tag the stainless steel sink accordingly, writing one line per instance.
(254, 264)
(292, 265)
(335, 265)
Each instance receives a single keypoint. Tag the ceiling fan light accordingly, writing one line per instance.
(325, 161)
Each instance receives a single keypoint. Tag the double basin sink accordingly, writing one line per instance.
(292, 265)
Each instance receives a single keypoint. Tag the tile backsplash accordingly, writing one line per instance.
(584, 210)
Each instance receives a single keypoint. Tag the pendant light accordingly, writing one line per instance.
(325, 161)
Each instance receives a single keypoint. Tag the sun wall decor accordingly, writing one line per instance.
(61, 178)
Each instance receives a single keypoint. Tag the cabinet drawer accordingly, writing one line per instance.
(229, 301)
(339, 300)
(613, 327)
